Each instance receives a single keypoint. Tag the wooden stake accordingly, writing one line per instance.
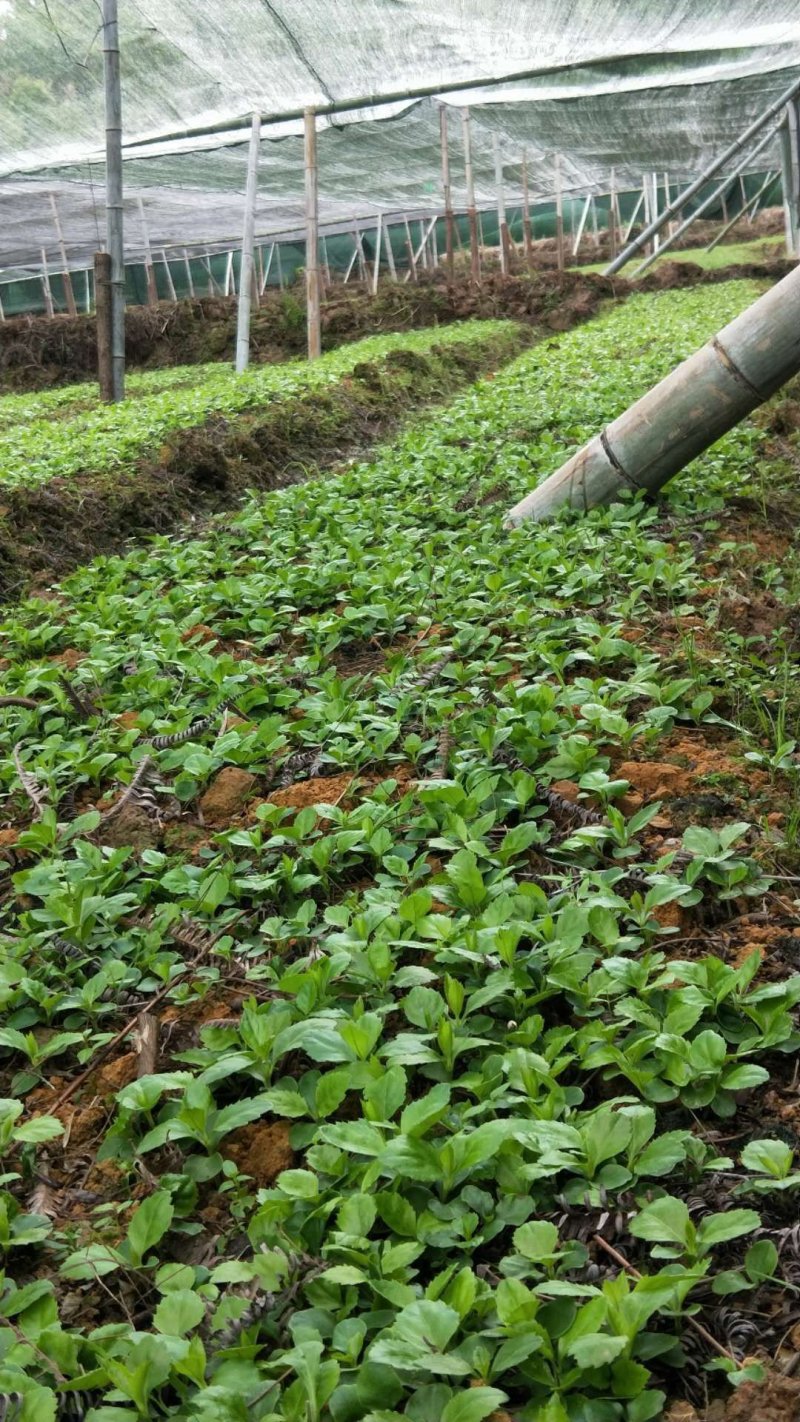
(526, 212)
(150, 273)
(69, 294)
(102, 306)
(502, 225)
(474, 244)
(312, 238)
(559, 216)
(448, 199)
(170, 283)
(48, 295)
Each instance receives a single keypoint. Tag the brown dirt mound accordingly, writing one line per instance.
(47, 531)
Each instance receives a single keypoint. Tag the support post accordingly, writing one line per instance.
(636, 212)
(189, 280)
(578, 235)
(742, 366)
(102, 308)
(749, 206)
(87, 295)
(790, 177)
(654, 210)
(709, 171)
(279, 265)
(709, 201)
(502, 225)
(46, 289)
(114, 211)
(376, 270)
(559, 216)
(312, 237)
(326, 266)
(472, 213)
(2, 312)
(612, 214)
(526, 212)
(266, 271)
(390, 253)
(170, 283)
(246, 273)
(69, 294)
(412, 261)
(150, 271)
(448, 197)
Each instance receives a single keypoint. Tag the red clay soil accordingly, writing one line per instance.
(777, 1399)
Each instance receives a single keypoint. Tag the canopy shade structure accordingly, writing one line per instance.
(624, 84)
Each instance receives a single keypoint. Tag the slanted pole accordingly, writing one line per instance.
(472, 212)
(266, 271)
(390, 253)
(654, 210)
(709, 171)
(636, 212)
(376, 270)
(279, 265)
(46, 290)
(188, 267)
(578, 235)
(502, 225)
(749, 207)
(114, 211)
(612, 214)
(149, 269)
(559, 216)
(740, 368)
(326, 266)
(2, 312)
(246, 273)
(87, 295)
(709, 201)
(230, 283)
(69, 294)
(411, 274)
(526, 212)
(447, 195)
(170, 283)
(102, 308)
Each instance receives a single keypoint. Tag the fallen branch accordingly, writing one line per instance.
(634, 1273)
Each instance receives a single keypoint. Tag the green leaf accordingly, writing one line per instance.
(473, 1404)
(41, 1128)
(716, 1229)
(595, 1350)
(537, 1240)
(421, 1115)
(769, 1157)
(466, 878)
(298, 1184)
(663, 1221)
(149, 1224)
(179, 1312)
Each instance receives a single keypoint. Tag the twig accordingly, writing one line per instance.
(634, 1273)
(146, 1044)
(30, 785)
(130, 793)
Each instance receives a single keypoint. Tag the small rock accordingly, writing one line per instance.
(226, 796)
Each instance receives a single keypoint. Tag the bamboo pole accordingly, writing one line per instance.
(87, 297)
(189, 279)
(352, 261)
(279, 265)
(170, 283)
(114, 209)
(376, 270)
(740, 368)
(709, 171)
(772, 179)
(258, 276)
(46, 288)
(150, 271)
(102, 306)
(312, 237)
(559, 216)
(526, 212)
(390, 253)
(709, 201)
(751, 203)
(593, 215)
(447, 194)
(326, 266)
(654, 209)
(229, 281)
(246, 272)
(2, 312)
(66, 279)
(472, 215)
(502, 225)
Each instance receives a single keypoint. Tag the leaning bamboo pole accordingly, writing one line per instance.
(46, 288)
(748, 207)
(246, 269)
(740, 368)
(526, 211)
(447, 195)
(559, 216)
